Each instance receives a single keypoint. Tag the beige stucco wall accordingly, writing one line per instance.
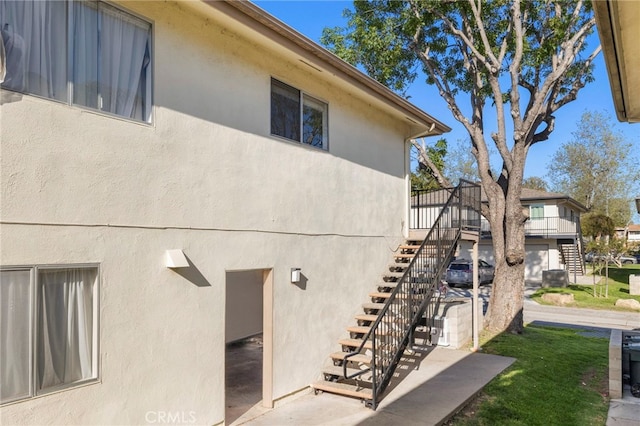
(206, 177)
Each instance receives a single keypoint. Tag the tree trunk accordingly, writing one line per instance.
(506, 304)
(507, 218)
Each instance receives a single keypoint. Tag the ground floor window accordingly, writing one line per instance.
(48, 329)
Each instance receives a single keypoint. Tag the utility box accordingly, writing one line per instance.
(634, 363)
(440, 331)
(555, 278)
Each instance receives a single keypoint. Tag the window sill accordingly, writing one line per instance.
(56, 390)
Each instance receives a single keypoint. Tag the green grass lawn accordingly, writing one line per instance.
(584, 294)
(560, 378)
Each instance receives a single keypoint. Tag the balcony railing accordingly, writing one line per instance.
(426, 206)
(464, 212)
(548, 227)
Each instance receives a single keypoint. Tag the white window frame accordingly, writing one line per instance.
(33, 329)
(70, 101)
(536, 207)
(304, 100)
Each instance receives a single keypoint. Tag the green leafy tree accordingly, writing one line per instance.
(423, 177)
(522, 59)
(597, 226)
(535, 182)
(597, 168)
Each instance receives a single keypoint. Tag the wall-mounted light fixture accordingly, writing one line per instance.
(176, 259)
(295, 275)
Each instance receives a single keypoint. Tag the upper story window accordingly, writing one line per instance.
(536, 211)
(82, 52)
(297, 116)
(48, 329)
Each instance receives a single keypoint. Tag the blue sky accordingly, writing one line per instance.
(309, 17)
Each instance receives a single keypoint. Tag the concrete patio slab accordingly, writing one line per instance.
(441, 384)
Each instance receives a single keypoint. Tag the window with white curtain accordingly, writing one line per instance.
(297, 116)
(82, 52)
(48, 329)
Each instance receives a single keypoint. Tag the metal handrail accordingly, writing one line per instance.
(420, 283)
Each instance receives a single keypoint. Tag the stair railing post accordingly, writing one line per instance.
(374, 349)
(459, 191)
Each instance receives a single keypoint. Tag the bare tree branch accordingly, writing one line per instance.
(495, 64)
(424, 159)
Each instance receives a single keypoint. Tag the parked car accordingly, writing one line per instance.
(460, 272)
(628, 260)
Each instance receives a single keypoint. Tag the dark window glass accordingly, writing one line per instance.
(285, 111)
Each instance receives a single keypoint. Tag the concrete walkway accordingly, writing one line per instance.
(588, 318)
(439, 385)
(442, 381)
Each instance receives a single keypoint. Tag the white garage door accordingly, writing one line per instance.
(536, 261)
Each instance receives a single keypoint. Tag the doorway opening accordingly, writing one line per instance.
(248, 337)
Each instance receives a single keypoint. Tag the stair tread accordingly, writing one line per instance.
(364, 359)
(372, 306)
(387, 294)
(404, 255)
(388, 284)
(359, 329)
(337, 370)
(366, 317)
(409, 247)
(380, 294)
(393, 274)
(396, 327)
(355, 343)
(343, 389)
(398, 265)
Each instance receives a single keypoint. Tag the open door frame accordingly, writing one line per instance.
(267, 336)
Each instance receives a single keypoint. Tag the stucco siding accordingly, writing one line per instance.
(206, 177)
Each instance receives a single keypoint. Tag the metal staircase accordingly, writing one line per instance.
(572, 257)
(572, 253)
(376, 344)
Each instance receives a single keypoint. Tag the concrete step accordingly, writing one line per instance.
(343, 389)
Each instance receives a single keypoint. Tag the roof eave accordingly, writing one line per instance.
(619, 29)
(607, 40)
(248, 12)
